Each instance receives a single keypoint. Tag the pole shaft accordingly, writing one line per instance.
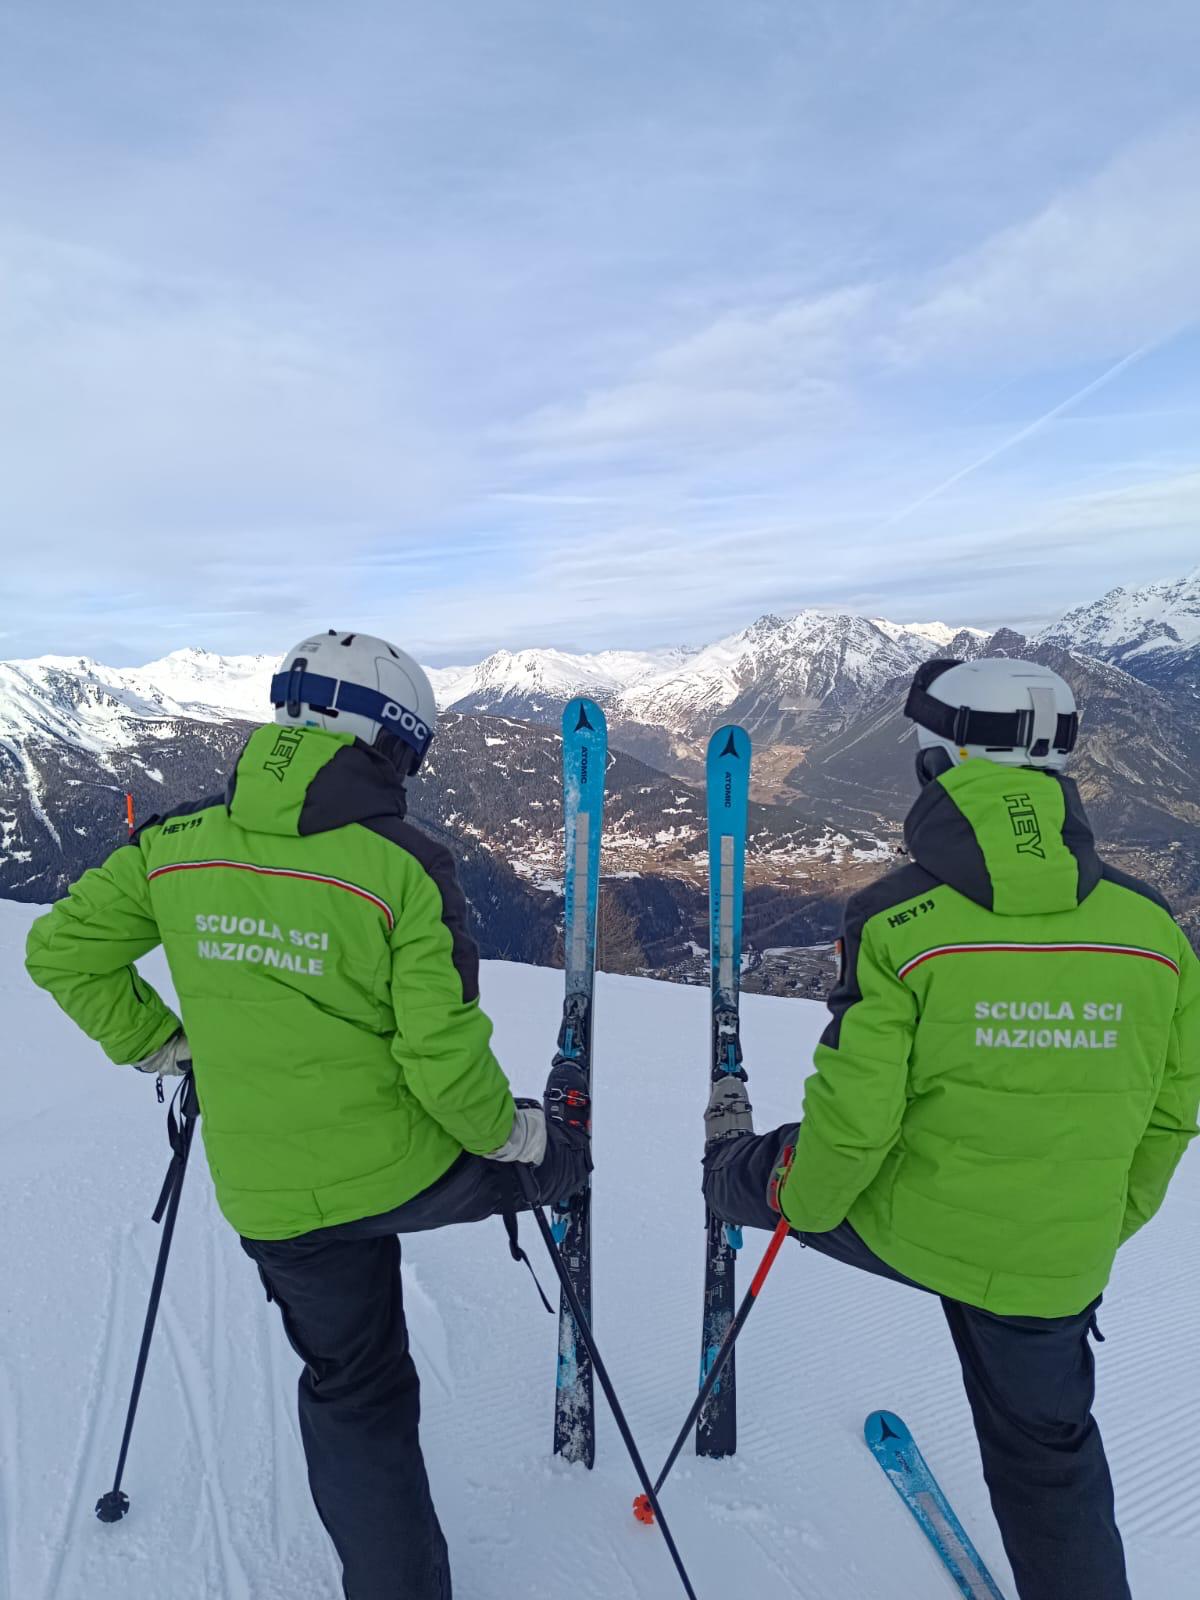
(782, 1229)
(160, 1272)
(601, 1372)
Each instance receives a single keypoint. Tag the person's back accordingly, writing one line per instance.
(318, 946)
(329, 989)
(1042, 989)
(1009, 1078)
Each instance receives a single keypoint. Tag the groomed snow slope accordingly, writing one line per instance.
(220, 1506)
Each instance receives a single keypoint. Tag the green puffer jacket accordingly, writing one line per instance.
(1012, 1071)
(328, 984)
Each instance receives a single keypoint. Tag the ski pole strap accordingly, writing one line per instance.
(779, 1175)
(509, 1219)
(178, 1136)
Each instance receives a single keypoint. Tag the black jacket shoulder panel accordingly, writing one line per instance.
(188, 809)
(438, 862)
(358, 785)
(1079, 839)
(941, 839)
(893, 889)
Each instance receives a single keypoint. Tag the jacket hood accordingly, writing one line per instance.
(1015, 840)
(305, 780)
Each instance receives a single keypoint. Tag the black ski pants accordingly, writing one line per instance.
(1030, 1382)
(338, 1290)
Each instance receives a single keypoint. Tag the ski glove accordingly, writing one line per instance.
(170, 1060)
(527, 1141)
(729, 1113)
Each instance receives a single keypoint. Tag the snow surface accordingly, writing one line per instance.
(220, 1505)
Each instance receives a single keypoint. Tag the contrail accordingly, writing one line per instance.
(1017, 438)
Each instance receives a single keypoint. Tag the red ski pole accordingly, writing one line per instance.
(643, 1510)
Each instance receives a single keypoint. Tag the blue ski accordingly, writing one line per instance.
(585, 764)
(894, 1448)
(728, 770)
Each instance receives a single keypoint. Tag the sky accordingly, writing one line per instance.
(517, 323)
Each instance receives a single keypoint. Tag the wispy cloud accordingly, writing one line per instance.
(1021, 435)
(765, 369)
(1110, 263)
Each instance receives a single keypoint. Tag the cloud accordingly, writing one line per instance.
(193, 420)
(1110, 264)
(760, 369)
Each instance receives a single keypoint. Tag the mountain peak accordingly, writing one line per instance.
(1152, 631)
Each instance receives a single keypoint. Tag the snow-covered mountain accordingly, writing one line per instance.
(1152, 632)
(787, 679)
(774, 675)
(105, 708)
(943, 638)
(770, 674)
(534, 683)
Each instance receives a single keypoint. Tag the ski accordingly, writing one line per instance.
(894, 1448)
(585, 763)
(728, 770)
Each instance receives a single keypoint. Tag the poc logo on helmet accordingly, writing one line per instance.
(406, 719)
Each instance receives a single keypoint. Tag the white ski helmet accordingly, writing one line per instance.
(354, 683)
(1016, 713)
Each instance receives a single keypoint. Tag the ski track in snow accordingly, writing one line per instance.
(11, 1507)
(220, 1507)
(99, 1393)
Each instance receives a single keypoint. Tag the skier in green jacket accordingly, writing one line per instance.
(348, 1092)
(1009, 1079)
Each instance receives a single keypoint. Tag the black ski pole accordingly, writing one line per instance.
(645, 1507)
(610, 1394)
(111, 1507)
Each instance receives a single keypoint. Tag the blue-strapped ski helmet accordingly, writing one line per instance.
(355, 683)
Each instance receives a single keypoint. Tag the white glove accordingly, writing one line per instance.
(527, 1141)
(170, 1060)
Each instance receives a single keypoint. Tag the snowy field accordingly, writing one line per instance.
(220, 1505)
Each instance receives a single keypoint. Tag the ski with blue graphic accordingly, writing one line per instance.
(728, 770)
(585, 765)
(894, 1448)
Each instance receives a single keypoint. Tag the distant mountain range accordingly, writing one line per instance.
(1153, 633)
(779, 669)
(821, 693)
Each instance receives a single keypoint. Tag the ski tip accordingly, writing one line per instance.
(583, 716)
(883, 1425)
(730, 741)
(643, 1510)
